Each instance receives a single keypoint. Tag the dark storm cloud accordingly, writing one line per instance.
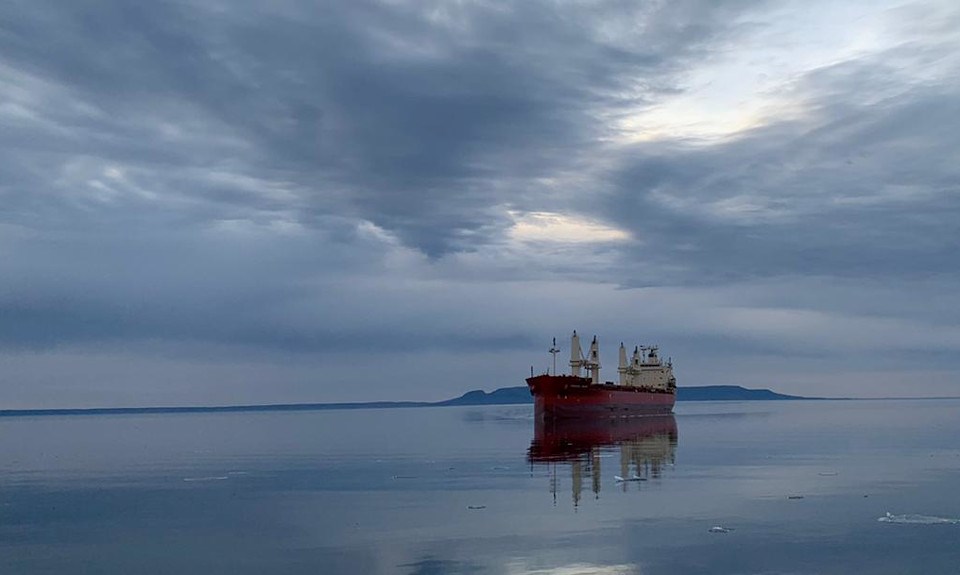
(131, 130)
(419, 118)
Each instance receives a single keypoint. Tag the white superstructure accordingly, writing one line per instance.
(644, 369)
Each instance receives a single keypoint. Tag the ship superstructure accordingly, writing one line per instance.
(646, 384)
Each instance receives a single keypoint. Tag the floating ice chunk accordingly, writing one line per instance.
(211, 478)
(719, 529)
(915, 519)
(634, 477)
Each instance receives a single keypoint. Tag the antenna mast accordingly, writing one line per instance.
(554, 350)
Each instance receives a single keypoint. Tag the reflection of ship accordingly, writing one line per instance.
(645, 446)
(647, 385)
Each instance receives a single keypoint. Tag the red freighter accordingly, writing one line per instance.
(646, 386)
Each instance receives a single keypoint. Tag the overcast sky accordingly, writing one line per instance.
(227, 201)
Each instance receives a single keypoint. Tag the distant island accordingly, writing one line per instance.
(504, 396)
(520, 394)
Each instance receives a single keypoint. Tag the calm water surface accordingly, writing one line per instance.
(797, 487)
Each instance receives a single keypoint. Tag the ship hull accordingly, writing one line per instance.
(571, 397)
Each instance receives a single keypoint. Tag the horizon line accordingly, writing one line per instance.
(375, 404)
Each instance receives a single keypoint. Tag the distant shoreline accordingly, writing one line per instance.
(504, 396)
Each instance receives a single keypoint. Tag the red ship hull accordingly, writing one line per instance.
(567, 396)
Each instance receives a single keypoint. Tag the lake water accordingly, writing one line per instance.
(753, 487)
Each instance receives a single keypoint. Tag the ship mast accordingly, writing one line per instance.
(622, 369)
(554, 350)
(576, 355)
(593, 364)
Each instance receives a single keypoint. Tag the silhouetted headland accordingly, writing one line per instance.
(504, 396)
(518, 395)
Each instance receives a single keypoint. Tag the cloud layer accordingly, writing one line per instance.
(303, 202)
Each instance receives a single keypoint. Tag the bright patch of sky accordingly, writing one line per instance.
(560, 228)
(752, 81)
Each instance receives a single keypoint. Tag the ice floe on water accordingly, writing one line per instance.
(205, 478)
(915, 519)
(633, 477)
(211, 478)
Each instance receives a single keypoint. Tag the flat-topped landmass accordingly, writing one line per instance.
(504, 396)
